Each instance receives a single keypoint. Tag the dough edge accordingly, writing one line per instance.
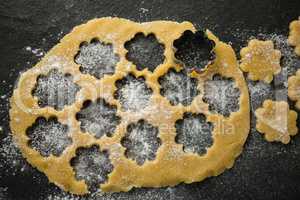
(186, 167)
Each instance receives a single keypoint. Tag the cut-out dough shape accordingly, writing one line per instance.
(294, 88)
(276, 121)
(260, 60)
(294, 36)
(171, 165)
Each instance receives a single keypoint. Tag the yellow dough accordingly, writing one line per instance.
(260, 60)
(276, 121)
(171, 165)
(294, 88)
(294, 36)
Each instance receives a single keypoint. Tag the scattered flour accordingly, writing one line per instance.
(289, 65)
(11, 159)
(62, 196)
(92, 166)
(178, 87)
(135, 194)
(141, 141)
(289, 59)
(133, 93)
(48, 136)
(259, 91)
(277, 89)
(221, 95)
(36, 51)
(97, 59)
(98, 118)
(194, 133)
(55, 90)
(290, 62)
(144, 10)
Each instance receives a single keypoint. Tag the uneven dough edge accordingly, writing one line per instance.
(126, 175)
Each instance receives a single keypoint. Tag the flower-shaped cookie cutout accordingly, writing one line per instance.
(276, 121)
(294, 88)
(294, 36)
(260, 60)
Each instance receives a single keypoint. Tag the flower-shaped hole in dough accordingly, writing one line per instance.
(294, 88)
(276, 121)
(145, 51)
(294, 36)
(260, 60)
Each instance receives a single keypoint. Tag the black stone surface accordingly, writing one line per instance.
(263, 171)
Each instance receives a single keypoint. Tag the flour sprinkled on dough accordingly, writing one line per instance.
(132, 91)
(290, 62)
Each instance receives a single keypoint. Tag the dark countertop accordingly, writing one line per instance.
(263, 171)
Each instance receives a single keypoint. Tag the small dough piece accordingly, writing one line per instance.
(171, 165)
(294, 88)
(276, 121)
(294, 36)
(260, 60)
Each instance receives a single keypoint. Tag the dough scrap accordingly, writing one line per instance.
(260, 60)
(294, 88)
(294, 36)
(276, 121)
(171, 165)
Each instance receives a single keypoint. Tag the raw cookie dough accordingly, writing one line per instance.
(260, 60)
(294, 36)
(171, 165)
(276, 121)
(294, 88)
